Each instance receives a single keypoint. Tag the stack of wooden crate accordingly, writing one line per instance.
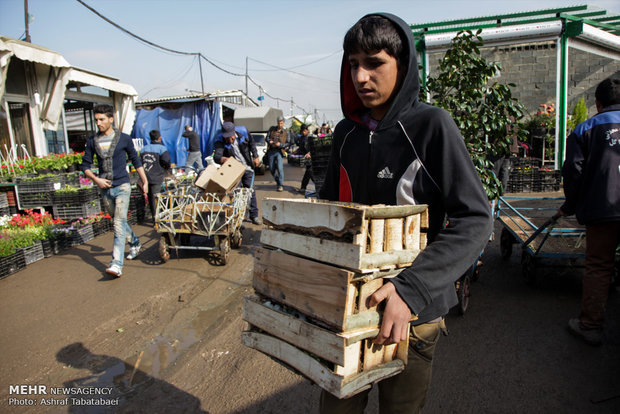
(319, 263)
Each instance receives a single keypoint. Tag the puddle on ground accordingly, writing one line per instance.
(125, 378)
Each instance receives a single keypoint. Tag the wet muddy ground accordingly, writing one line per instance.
(166, 337)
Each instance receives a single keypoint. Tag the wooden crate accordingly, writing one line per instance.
(332, 295)
(358, 237)
(320, 264)
(343, 364)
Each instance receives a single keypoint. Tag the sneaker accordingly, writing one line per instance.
(302, 190)
(256, 220)
(134, 251)
(114, 270)
(280, 188)
(590, 336)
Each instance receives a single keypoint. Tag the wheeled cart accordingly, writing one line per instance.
(546, 239)
(186, 211)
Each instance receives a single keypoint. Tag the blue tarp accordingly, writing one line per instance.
(203, 116)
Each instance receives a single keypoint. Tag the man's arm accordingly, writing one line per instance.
(456, 239)
(137, 163)
(218, 154)
(572, 173)
(87, 161)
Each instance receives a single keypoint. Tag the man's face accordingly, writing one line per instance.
(104, 123)
(304, 132)
(229, 140)
(280, 124)
(375, 77)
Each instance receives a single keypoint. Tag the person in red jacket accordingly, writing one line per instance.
(393, 149)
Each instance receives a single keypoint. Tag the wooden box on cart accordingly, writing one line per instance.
(310, 309)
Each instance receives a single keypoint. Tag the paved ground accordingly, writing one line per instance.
(165, 337)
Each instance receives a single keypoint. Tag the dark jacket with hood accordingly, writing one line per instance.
(415, 155)
(246, 147)
(591, 171)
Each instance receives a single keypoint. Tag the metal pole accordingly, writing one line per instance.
(246, 82)
(26, 21)
(560, 121)
(202, 86)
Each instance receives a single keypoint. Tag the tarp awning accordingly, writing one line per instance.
(82, 76)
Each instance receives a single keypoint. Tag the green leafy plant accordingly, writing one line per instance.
(579, 114)
(487, 114)
(6, 245)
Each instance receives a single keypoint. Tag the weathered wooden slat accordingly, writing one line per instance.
(393, 234)
(339, 386)
(328, 251)
(315, 289)
(373, 355)
(351, 360)
(341, 254)
(412, 232)
(366, 290)
(372, 261)
(331, 217)
(321, 342)
(377, 235)
(386, 212)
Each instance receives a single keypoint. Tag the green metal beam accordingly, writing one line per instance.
(504, 24)
(590, 22)
(500, 17)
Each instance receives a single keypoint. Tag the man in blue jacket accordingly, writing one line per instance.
(112, 148)
(393, 149)
(243, 149)
(156, 162)
(591, 175)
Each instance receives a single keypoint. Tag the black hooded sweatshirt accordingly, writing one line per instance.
(415, 155)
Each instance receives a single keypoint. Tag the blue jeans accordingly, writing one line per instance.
(116, 202)
(275, 161)
(247, 181)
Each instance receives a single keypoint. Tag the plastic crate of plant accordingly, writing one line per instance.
(29, 200)
(67, 212)
(70, 195)
(40, 183)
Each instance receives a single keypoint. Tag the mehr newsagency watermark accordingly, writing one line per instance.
(32, 395)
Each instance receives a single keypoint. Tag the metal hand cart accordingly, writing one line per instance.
(546, 239)
(185, 211)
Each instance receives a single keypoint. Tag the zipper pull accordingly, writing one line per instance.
(370, 137)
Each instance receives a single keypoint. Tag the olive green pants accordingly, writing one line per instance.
(402, 393)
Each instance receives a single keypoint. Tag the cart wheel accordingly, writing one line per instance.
(528, 268)
(463, 292)
(164, 250)
(235, 241)
(224, 250)
(505, 244)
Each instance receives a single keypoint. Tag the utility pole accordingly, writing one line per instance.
(246, 82)
(26, 20)
(292, 105)
(202, 85)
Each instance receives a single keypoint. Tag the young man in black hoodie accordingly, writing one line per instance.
(393, 149)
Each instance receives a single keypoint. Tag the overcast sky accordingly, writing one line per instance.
(302, 36)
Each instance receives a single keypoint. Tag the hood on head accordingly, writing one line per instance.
(352, 106)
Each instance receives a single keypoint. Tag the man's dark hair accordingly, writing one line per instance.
(155, 135)
(105, 109)
(372, 34)
(608, 91)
